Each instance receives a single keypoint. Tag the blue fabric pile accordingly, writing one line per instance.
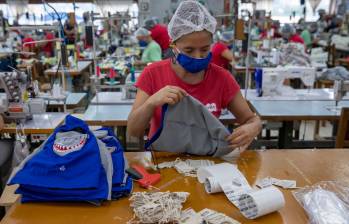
(74, 164)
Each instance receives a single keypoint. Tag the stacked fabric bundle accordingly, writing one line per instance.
(74, 165)
(336, 73)
(318, 55)
(121, 182)
(293, 54)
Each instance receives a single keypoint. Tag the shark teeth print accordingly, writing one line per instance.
(65, 145)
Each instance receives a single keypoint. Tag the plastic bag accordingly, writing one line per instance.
(20, 151)
(326, 202)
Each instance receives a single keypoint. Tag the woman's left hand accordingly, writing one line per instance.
(243, 136)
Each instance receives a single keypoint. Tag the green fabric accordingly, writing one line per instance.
(152, 52)
(306, 37)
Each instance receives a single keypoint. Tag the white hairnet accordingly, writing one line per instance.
(149, 23)
(142, 32)
(189, 17)
(287, 29)
(227, 36)
(321, 11)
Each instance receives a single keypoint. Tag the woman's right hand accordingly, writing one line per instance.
(167, 95)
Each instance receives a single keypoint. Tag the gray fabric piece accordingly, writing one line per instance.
(107, 164)
(126, 167)
(100, 134)
(336, 73)
(190, 128)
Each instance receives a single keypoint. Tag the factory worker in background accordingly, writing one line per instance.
(221, 50)
(151, 51)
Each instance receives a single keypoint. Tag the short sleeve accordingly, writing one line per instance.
(155, 54)
(219, 48)
(144, 82)
(231, 88)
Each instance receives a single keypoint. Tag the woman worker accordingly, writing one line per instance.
(190, 72)
(221, 54)
(152, 50)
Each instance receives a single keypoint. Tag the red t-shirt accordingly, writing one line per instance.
(28, 47)
(296, 39)
(160, 35)
(48, 48)
(26, 40)
(217, 58)
(216, 90)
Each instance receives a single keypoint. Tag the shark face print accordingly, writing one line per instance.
(67, 144)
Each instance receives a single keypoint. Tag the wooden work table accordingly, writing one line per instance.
(307, 167)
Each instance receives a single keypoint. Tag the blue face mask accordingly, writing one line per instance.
(142, 43)
(193, 65)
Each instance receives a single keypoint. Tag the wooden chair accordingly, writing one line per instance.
(343, 62)
(342, 139)
(324, 84)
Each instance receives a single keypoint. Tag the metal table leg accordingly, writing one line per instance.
(286, 135)
(121, 134)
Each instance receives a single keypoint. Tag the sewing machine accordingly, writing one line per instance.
(129, 90)
(268, 57)
(12, 104)
(340, 89)
(273, 79)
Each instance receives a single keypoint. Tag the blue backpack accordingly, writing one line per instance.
(121, 183)
(72, 165)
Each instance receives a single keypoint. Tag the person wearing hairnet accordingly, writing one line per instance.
(289, 34)
(221, 54)
(82, 28)
(159, 34)
(189, 72)
(306, 36)
(313, 29)
(321, 22)
(70, 28)
(152, 51)
(335, 25)
(304, 33)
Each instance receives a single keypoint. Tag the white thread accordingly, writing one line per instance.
(157, 207)
(187, 167)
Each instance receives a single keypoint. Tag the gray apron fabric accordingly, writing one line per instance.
(188, 127)
(107, 163)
